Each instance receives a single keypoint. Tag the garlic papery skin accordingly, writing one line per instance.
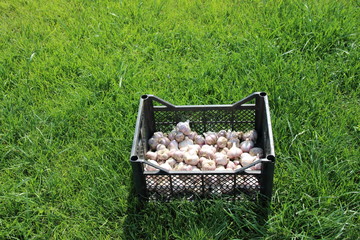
(208, 165)
(172, 135)
(173, 145)
(178, 155)
(191, 159)
(246, 145)
(221, 142)
(185, 144)
(153, 143)
(200, 140)
(234, 152)
(251, 135)
(179, 137)
(236, 162)
(171, 162)
(151, 155)
(247, 159)
(151, 168)
(257, 151)
(221, 159)
(163, 154)
(184, 127)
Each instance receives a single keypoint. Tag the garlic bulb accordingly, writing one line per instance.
(151, 168)
(251, 135)
(230, 165)
(257, 151)
(172, 135)
(179, 137)
(222, 133)
(192, 135)
(221, 159)
(233, 140)
(151, 155)
(163, 154)
(171, 162)
(158, 135)
(221, 142)
(234, 152)
(164, 140)
(200, 140)
(208, 165)
(246, 145)
(160, 147)
(256, 167)
(194, 147)
(184, 127)
(207, 151)
(210, 138)
(247, 159)
(178, 155)
(173, 145)
(153, 143)
(236, 162)
(191, 159)
(185, 144)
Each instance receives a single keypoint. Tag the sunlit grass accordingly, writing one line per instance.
(72, 73)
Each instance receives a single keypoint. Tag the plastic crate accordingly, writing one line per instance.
(249, 113)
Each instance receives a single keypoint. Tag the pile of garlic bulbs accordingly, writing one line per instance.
(185, 150)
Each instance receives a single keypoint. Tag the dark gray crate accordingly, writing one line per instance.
(156, 114)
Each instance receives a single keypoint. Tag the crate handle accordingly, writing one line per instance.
(249, 98)
(159, 100)
(136, 159)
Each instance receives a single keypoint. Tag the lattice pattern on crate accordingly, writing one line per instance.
(167, 187)
(210, 120)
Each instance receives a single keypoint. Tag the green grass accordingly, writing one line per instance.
(72, 73)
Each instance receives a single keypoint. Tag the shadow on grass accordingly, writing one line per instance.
(200, 219)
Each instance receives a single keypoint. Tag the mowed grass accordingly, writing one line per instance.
(72, 73)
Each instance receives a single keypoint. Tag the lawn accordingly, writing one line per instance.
(72, 73)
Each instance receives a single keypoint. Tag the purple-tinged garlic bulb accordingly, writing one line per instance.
(210, 138)
(230, 166)
(222, 133)
(200, 140)
(172, 135)
(173, 145)
(246, 145)
(158, 135)
(233, 140)
(171, 162)
(257, 151)
(153, 143)
(164, 140)
(251, 135)
(192, 135)
(179, 137)
(184, 127)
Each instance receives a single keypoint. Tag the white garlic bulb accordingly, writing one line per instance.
(221, 159)
(221, 142)
(191, 159)
(210, 138)
(184, 127)
(151, 155)
(234, 152)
